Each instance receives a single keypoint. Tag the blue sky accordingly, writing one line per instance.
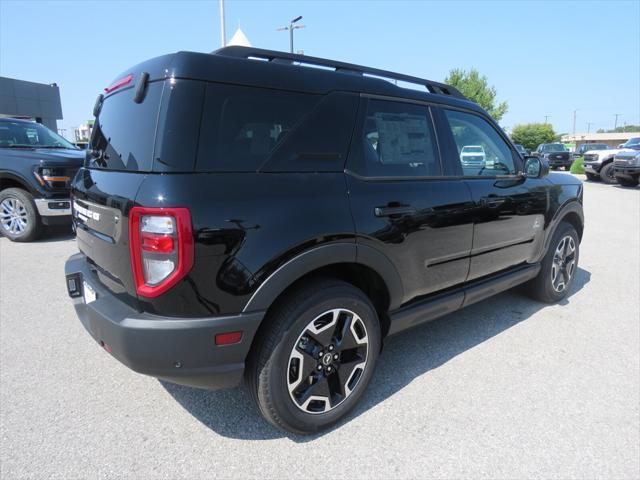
(544, 58)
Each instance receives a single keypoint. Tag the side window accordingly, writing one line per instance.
(481, 149)
(396, 139)
(242, 126)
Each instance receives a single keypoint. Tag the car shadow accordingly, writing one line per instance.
(231, 413)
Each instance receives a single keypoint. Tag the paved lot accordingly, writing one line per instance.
(507, 388)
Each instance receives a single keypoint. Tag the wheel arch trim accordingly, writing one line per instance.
(323, 256)
(19, 179)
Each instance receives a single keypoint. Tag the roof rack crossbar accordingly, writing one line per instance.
(289, 58)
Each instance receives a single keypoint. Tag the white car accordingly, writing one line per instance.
(473, 156)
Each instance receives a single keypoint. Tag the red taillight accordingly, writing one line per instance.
(228, 338)
(120, 83)
(152, 242)
(161, 242)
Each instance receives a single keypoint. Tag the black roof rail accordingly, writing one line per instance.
(290, 58)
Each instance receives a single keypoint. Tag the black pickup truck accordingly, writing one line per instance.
(36, 169)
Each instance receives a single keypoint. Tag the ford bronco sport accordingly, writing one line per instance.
(247, 215)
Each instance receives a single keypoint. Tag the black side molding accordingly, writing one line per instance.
(443, 304)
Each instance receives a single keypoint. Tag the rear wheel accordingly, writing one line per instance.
(316, 356)
(558, 267)
(19, 220)
(607, 174)
(628, 182)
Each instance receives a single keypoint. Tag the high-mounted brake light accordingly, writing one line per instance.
(120, 83)
(161, 242)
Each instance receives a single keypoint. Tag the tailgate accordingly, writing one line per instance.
(101, 204)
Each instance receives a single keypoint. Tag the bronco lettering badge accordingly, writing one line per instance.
(84, 213)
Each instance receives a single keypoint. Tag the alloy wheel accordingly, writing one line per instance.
(327, 361)
(564, 262)
(13, 216)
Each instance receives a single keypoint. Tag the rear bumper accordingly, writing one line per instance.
(180, 350)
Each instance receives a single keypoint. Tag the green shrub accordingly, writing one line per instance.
(578, 165)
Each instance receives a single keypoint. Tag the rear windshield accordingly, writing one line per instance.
(124, 133)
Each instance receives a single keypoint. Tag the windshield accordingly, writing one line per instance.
(596, 146)
(554, 147)
(15, 134)
(633, 143)
(470, 149)
(520, 148)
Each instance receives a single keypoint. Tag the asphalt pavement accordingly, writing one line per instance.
(507, 388)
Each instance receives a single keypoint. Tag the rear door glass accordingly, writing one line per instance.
(125, 130)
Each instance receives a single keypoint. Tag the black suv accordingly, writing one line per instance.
(556, 154)
(247, 215)
(36, 168)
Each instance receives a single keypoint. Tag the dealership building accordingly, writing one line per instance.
(36, 101)
(611, 139)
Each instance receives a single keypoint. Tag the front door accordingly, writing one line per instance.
(509, 209)
(402, 204)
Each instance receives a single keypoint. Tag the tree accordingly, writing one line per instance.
(530, 135)
(623, 129)
(477, 89)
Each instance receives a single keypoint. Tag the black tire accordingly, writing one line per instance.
(626, 182)
(606, 174)
(271, 362)
(29, 214)
(592, 177)
(542, 286)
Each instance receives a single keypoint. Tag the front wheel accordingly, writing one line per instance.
(559, 266)
(315, 356)
(628, 182)
(592, 177)
(607, 174)
(19, 219)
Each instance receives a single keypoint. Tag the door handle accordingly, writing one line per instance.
(492, 202)
(389, 211)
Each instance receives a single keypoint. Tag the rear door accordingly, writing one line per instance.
(508, 209)
(403, 205)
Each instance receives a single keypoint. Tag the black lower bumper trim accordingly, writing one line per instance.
(180, 350)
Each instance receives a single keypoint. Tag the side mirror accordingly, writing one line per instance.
(535, 167)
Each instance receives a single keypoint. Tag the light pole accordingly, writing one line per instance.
(574, 123)
(545, 118)
(615, 125)
(589, 126)
(223, 34)
(291, 28)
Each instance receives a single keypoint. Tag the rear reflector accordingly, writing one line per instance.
(228, 338)
(120, 83)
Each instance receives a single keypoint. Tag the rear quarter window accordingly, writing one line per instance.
(242, 126)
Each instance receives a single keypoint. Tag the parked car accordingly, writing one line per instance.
(588, 147)
(599, 165)
(473, 155)
(267, 221)
(36, 168)
(523, 151)
(626, 166)
(556, 154)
